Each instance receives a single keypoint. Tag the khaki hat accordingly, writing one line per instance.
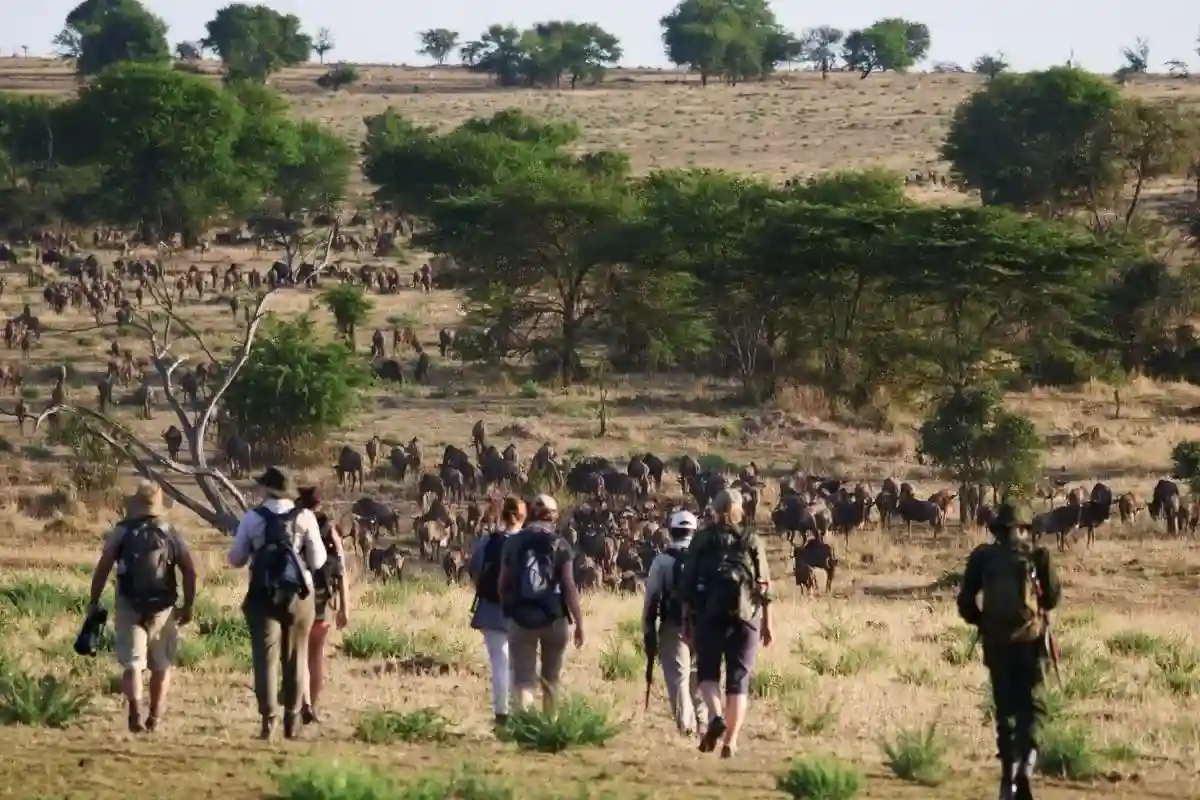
(278, 482)
(544, 501)
(146, 501)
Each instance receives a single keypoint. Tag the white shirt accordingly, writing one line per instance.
(306, 537)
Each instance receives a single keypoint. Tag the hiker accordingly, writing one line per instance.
(662, 622)
(726, 600)
(540, 600)
(487, 615)
(146, 551)
(282, 545)
(1020, 589)
(329, 594)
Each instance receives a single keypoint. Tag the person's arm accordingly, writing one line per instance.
(240, 550)
(187, 572)
(1048, 578)
(344, 582)
(762, 569)
(972, 583)
(571, 593)
(108, 557)
(654, 588)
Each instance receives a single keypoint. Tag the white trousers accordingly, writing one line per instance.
(496, 643)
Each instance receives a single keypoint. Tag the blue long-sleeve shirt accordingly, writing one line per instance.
(488, 616)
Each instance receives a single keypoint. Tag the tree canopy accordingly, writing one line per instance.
(256, 41)
(736, 41)
(539, 56)
(123, 32)
(438, 44)
(891, 44)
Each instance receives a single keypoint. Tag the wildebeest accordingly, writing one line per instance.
(349, 464)
(815, 554)
(174, 441)
(795, 515)
(377, 515)
(432, 538)
(1166, 503)
(454, 564)
(386, 563)
(237, 454)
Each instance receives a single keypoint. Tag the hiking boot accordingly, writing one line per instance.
(151, 723)
(501, 720)
(289, 726)
(1007, 770)
(135, 721)
(268, 728)
(716, 729)
(308, 715)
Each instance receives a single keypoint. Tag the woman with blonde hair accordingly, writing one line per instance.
(487, 614)
(725, 594)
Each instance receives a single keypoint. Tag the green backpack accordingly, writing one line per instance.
(729, 582)
(1011, 611)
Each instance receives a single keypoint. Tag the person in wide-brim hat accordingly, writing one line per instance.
(146, 501)
(277, 482)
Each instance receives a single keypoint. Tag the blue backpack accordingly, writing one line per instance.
(537, 599)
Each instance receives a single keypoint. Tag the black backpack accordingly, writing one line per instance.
(487, 585)
(146, 566)
(329, 577)
(276, 574)
(537, 600)
(670, 606)
(730, 577)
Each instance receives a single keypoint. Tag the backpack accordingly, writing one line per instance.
(329, 577)
(487, 585)
(670, 607)
(1011, 611)
(146, 567)
(276, 575)
(537, 599)
(729, 579)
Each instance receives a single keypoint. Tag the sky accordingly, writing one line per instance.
(1032, 34)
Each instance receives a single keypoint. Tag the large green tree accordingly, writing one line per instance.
(734, 39)
(891, 44)
(164, 143)
(255, 41)
(313, 169)
(126, 32)
(818, 48)
(438, 43)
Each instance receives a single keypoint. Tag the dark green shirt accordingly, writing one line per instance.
(972, 583)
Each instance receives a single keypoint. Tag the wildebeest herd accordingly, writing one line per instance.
(616, 515)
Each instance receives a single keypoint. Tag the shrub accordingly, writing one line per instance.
(339, 76)
(820, 778)
(573, 723)
(377, 641)
(770, 682)
(43, 701)
(1065, 750)
(809, 719)
(617, 663)
(917, 755)
(41, 600)
(386, 727)
(1134, 643)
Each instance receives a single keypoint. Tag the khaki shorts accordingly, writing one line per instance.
(142, 642)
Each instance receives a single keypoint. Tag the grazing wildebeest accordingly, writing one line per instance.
(174, 441)
(386, 563)
(430, 484)
(815, 554)
(432, 537)
(913, 510)
(656, 467)
(850, 511)
(377, 515)
(1166, 503)
(373, 445)
(349, 464)
(237, 453)
(795, 515)
(1128, 507)
(452, 480)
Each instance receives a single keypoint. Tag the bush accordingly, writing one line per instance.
(340, 780)
(41, 600)
(339, 76)
(386, 727)
(618, 663)
(810, 719)
(43, 701)
(820, 778)
(1185, 457)
(1065, 750)
(917, 755)
(573, 723)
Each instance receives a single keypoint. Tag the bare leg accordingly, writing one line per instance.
(160, 683)
(735, 715)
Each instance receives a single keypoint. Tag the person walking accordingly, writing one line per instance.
(282, 545)
(662, 624)
(540, 601)
(487, 615)
(147, 553)
(1020, 589)
(330, 594)
(726, 600)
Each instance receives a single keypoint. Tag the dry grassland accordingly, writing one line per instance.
(883, 653)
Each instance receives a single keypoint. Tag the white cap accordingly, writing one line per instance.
(545, 501)
(683, 520)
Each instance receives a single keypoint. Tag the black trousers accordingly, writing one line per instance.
(1016, 676)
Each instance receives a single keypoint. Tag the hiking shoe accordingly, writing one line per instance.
(151, 723)
(501, 720)
(308, 715)
(716, 729)
(727, 752)
(135, 722)
(1022, 784)
(268, 728)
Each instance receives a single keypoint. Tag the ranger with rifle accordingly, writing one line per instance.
(1020, 590)
(662, 627)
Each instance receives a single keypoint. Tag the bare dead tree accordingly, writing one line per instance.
(162, 327)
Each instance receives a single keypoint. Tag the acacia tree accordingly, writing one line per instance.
(438, 44)
(127, 32)
(738, 41)
(350, 307)
(891, 44)
(324, 43)
(818, 48)
(256, 41)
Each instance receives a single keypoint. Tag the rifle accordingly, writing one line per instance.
(650, 644)
(1050, 648)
